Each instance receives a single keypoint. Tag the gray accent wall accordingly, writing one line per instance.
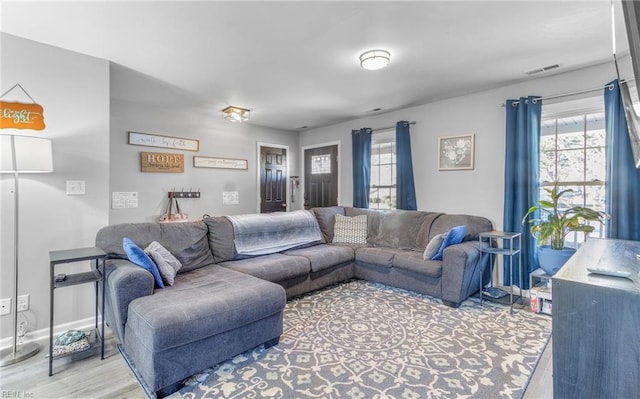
(74, 91)
(180, 114)
(478, 191)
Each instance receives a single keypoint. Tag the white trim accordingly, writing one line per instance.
(288, 183)
(302, 162)
(42, 336)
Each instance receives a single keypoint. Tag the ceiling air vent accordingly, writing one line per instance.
(542, 69)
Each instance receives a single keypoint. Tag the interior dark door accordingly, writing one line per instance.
(273, 179)
(321, 176)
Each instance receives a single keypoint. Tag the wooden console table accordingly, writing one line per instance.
(596, 323)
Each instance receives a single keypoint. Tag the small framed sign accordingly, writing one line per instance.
(154, 140)
(455, 152)
(220, 163)
(161, 162)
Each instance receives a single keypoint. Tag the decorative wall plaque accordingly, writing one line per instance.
(161, 162)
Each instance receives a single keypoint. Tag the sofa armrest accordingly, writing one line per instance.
(125, 282)
(461, 271)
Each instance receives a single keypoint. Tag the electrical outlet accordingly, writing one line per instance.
(23, 302)
(5, 306)
(76, 187)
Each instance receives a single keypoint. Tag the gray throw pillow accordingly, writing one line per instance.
(433, 246)
(350, 230)
(168, 265)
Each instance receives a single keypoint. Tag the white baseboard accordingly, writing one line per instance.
(42, 336)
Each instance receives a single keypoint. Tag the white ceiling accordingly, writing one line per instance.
(296, 63)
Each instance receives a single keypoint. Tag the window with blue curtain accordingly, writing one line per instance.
(623, 190)
(523, 118)
(405, 189)
(361, 154)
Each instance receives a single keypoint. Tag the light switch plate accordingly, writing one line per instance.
(75, 187)
(5, 306)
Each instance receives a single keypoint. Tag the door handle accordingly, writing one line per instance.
(283, 205)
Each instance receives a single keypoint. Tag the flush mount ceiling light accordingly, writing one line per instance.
(375, 59)
(235, 114)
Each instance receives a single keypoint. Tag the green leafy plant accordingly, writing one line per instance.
(555, 224)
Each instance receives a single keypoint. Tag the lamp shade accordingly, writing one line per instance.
(25, 154)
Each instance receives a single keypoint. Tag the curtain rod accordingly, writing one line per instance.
(574, 93)
(389, 127)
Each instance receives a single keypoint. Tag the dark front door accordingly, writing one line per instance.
(321, 176)
(273, 179)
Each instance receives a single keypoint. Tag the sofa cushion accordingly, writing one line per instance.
(412, 260)
(374, 220)
(274, 267)
(350, 230)
(422, 239)
(376, 256)
(324, 256)
(220, 237)
(326, 217)
(186, 241)
(137, 256)
(168, 265)
(200, 304)
(475, 225)
(452, 237)
(399, 229)
(433, 247)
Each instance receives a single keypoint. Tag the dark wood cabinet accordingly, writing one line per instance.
(596, 323)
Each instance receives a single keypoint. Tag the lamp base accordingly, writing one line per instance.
(25, 351)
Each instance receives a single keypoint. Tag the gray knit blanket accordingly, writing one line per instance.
(267, 233)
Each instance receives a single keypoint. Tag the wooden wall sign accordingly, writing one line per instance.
(220, 163)
(15, 115)
(161, 162)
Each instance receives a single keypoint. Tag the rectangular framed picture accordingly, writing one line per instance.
(456, 152)
(155, 140)
(220, 163)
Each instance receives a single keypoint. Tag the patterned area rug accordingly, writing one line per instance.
(363, 340)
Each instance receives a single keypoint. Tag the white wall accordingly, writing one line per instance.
(74, 91)
(478, 191)
(182, 116)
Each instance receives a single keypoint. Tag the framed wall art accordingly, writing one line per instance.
(456, 152)
(220, 163)
(155, 140)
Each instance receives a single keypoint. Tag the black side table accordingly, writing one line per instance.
(508, 245)
(96, 275)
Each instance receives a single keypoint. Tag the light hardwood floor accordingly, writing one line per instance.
(85, 378)
(92, 378)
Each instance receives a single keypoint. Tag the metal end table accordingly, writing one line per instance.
(508, 245)
(96, 275)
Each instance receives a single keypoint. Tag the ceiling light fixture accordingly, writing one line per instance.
(235, 114)
(375, 59)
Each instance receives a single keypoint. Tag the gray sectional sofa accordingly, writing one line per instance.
(224, 303)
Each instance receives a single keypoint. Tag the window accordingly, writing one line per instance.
(573, 151)
(320, 164)
(382, 193)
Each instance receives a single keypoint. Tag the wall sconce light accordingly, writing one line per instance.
(375, 59)
(235, 114)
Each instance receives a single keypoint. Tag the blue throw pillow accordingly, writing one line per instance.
(453, 236)
(137, 256)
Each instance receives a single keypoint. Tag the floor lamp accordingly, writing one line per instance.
(21, 154)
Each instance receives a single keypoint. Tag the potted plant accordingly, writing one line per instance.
(555, 222)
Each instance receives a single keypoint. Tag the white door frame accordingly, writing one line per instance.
(288, 187)
(302, 162)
